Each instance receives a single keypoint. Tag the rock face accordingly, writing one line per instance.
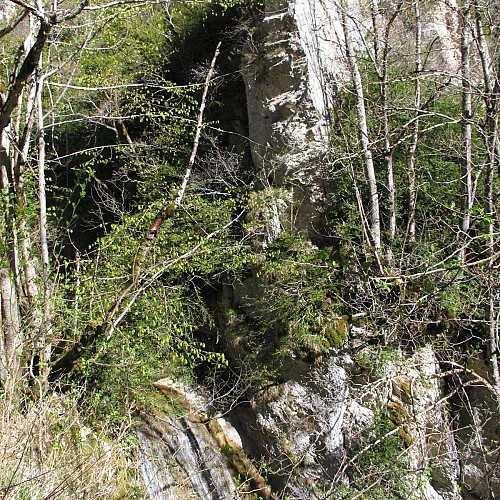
(294, 66)
(414, 403)
(302, 437)
(180, 459)
(302, 423)
(289, 99)
(477, 435)
(312, 426)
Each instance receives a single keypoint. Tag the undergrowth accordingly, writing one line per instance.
(47, 451)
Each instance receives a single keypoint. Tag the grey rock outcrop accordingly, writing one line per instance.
(289, 95)
(294, 66)
(179, 457)
(418, 392)
(302, 421)
(409, 393)
(477, 436)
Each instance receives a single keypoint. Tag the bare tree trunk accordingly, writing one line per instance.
(466, 199)
(29, 65)
(12, 334)
(45, 338)
(13, 263)
(26, 259)
(491, 313)
(5, 331)
(30, 288)
(391, 187)
(374, 213)
(12, 342)
(492, 318)
(412, 148)
(26, 70)
(380, 50)
(383, 76)
(4, 370)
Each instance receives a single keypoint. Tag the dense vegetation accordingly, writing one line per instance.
(112, 275)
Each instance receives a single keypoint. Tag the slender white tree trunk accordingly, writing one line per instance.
(466, 199)
(412, 148)
(380, 59)
(46, 334)
(33, 301)
(23, 135)
(374, 212)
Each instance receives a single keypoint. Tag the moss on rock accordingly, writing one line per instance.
(336, 331)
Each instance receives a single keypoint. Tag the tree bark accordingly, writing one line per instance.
(45, 337)
(374, 212)
(27, 69)
(466, 199)
(383, 76)
(12, 342)
(412, 148)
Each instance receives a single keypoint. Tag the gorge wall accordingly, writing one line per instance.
(311, 433)
(250, 249)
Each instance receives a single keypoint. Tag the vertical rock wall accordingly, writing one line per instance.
(291, 88)
(294, 66)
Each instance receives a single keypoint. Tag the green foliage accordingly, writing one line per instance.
(340, 208)
(381, 471)
(437, 157)
(229, 4)
(298, 298)
(160, 333)
(378, 360)
(136, 34)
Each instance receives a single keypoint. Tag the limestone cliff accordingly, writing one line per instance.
(316, 431)
(294, 68)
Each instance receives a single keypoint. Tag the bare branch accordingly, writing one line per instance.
(5, 31)
(29, 8)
